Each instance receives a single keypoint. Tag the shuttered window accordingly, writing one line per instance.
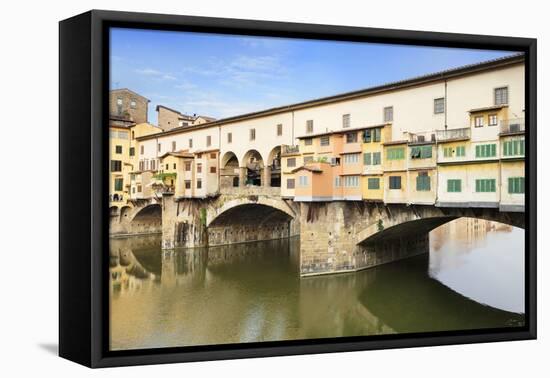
(309, 126)
(460, 151)
(118, 184)
(367, 158)
(439, 105)
(395, 182)
(501, 96)
(290, 183)
(376, 158)
(485, 185)
(395, 153)
(423, 182)
(421, 152)
(454, 186)
(516, 185)
(291, 162)
(388, 114)
(345, 120)
(514, 147)
(373, 183)
(486, 150)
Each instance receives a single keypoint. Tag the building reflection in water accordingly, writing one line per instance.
(252, 292)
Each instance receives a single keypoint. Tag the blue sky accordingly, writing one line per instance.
(222, 76)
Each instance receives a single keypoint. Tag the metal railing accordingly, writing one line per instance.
(426, 136)
(511, 126)
(290, 149)
(451, 134)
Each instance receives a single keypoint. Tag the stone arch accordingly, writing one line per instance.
(113, 211)
(213, 213)
(229, 159)
(402, 220)
(229, 172)
(253, 162)
(274, 167)
(125, 213)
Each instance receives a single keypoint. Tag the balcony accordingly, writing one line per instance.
(453, 134)
(422, 137)
(512, 126)
(290, 149)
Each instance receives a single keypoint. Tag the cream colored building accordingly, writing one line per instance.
(443, 144)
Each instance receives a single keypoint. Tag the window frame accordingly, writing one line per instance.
(437, 105)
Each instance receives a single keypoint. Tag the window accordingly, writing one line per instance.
(367, 136)
(167, 167)
(493, 120)
(279, 129)
(118, 184)
(291, 162)
(447, 151)
(173, 145)
(454, 186)
(139, 188)
(174, 165)
(351, 138)
(309, 126)
(485, 185)
(199, 183)
(252, 134)
(119, 101)
(478, 121)
(373, 183)
(337, 182)
(118, 149)
(395, 153)
(159, 146)
(133, 135)
(290, 183)
(367, 158)
(514, 147)
(516, 185)
(439, 105)
(421, 152)
(141, 149)
(395, 182)
(376, 158)
(376, 134)
(345, 120)
(116, 165)
(351, 158)
(133, 104)
(460, 151)
(229, 137)
(141, 165)
(208, 141)
(153, 165)
(302, 180)
(190, 143)
(486, 150)
(351, 181)
(199, 167)
(325, 140)
(307, 159)
(212, 169)
(388, 114)
(423, 182)
(501, 96)
(308, 141)
(187, 184)
(132, 151)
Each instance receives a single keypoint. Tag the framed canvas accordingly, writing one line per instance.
(235, 188)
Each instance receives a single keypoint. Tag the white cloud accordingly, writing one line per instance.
(155, 73)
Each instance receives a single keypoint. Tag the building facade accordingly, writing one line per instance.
(450, 139)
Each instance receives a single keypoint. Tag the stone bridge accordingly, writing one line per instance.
(340, 236)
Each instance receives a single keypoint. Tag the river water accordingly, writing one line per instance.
(473, 277)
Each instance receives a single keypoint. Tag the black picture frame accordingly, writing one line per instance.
(83, 207)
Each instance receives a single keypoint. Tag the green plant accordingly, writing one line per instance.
(163, 176)
(380, 225)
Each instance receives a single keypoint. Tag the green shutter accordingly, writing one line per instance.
(522, 147)
(376, 158)
(493, 150)
(478, 151)
(367, 158)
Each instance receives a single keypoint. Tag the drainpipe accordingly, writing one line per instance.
(445, 103)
